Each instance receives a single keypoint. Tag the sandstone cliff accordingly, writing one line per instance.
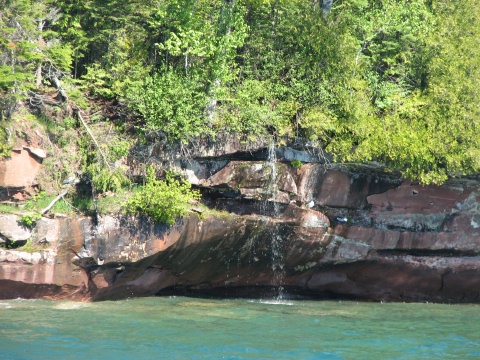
(317, 231)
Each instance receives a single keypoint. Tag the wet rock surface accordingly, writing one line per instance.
(316, 231)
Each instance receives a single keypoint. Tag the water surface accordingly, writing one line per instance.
(189, 328)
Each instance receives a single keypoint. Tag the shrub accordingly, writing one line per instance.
(296, 163)
(5, 147)
(29, 220)
(162, 200)
(118, 148)
(104, 179)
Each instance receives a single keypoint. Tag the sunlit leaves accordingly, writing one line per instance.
(383, 80)
(172, 103)
(162, 200)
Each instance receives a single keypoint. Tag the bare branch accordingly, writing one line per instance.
(54, 201)
(37, 100)
(77, 111)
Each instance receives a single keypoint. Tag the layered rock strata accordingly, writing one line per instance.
(322, 232)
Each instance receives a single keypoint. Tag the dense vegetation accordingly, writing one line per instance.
(163, 201)
(381, 80)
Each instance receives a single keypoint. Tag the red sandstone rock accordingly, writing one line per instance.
(19, 170)
(18, 173)
(253, 180)
(399, 249)
(306, 217)
(411, 198)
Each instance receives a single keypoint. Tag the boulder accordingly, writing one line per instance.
(18, 173)
(36, 152)
(19, 170)
(11, 229)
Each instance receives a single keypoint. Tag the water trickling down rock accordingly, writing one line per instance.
(401, 241)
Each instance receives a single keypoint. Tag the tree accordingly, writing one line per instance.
(382, 80)
(30, 51)
(410, 102)
(172, 104)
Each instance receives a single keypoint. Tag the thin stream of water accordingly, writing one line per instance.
(275, 236)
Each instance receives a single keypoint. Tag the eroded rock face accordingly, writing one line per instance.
(18, 173)
(378, 242)
(254, 255)
(247, 179)
(67, 253)
(313, 231)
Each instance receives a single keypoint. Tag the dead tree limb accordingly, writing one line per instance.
(77, 111)
(54, 201)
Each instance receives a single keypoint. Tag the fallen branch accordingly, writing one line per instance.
(36, 100)
(77, 111)
(54, 201)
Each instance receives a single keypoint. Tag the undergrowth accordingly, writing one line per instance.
(162, 200)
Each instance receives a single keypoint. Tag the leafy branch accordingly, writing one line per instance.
(162, 200)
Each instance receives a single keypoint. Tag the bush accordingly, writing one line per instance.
(104, 179)
(29, 220)
(118, 148)
(296, 163)
(162, 200)
(171, 103)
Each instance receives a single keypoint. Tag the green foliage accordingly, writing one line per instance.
(109, 42)
(42, 200)
(254, 109)
(9, 209)
(296, 163)
(30, 51)
(8, 103)
(70, 123)
(29, 220)
(107, 203)
(410, 101)
(37, 201)
(104, 179)
(171, 103)
(83, 203)
(388, 81)
(97, 80)
(31, 247)
(162, 200)
(112, 204)
(60, 55)
(5, 147)
(118, 148)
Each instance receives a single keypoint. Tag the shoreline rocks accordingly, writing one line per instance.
(314, 231)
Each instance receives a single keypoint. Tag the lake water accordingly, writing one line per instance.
(191, 328)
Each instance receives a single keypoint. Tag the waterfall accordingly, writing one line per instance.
(270, 205)
(276, 240)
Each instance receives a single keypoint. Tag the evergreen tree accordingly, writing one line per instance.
(388, 81)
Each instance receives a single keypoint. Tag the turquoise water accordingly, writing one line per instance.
(189, 328)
